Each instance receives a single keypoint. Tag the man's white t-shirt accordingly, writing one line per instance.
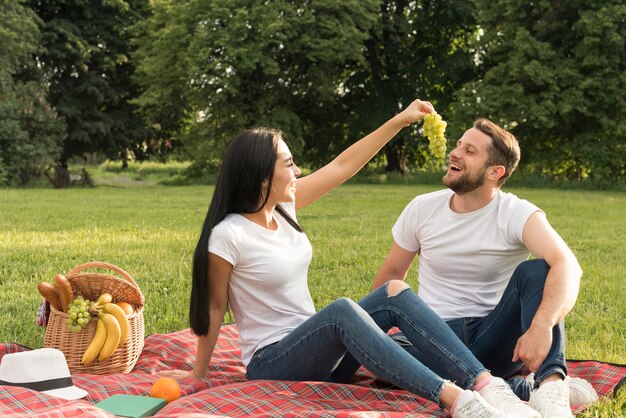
(268, 290)
(465, 259)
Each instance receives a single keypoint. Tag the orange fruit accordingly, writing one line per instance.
(165, 388)
(126, 307)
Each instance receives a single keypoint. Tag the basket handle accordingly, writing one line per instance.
(100, 264)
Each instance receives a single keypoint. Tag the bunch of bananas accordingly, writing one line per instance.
(111, 329)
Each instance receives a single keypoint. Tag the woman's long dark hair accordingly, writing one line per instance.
(248, 161)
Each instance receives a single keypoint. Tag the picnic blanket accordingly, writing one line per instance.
(226, 392)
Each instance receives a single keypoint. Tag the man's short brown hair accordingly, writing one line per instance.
(504, 150)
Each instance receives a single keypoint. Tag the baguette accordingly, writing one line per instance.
(64, 289)
(49, 292)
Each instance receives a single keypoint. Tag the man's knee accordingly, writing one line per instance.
(535, 270)
(396, 286)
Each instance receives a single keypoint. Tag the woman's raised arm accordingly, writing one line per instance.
(350, 161)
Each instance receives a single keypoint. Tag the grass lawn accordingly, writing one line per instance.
(151, 232)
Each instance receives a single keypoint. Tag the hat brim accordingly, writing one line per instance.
(69, 393)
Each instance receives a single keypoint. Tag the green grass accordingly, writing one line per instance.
(151, 233)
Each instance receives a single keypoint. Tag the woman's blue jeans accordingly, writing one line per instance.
(315, 349)
(492, 339)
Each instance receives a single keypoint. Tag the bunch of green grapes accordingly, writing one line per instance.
(79, 315)
(434, 128)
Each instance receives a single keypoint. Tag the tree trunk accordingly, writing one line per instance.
(396, 160)
(61, 178)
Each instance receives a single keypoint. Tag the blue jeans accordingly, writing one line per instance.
(315, 349)
(492, 338)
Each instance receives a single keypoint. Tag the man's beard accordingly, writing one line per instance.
(466, 183)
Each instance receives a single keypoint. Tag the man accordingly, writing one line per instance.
(473, 242)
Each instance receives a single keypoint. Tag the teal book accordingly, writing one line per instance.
(131, 406)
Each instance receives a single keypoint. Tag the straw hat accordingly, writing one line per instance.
(43, 370)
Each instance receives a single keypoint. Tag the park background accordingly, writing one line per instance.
(114, 115)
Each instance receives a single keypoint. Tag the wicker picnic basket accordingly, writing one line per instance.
(91, 285)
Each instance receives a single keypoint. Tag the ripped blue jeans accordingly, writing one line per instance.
(314, 350)
(492, 339)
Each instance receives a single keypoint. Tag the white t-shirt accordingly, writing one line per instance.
(465, 259)
(268, 289)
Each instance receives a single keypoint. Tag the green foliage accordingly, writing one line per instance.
(325, 74)
(243, 63)
(86, 59)
(18, 36)
(554, 73)
(329, 73)
(418, 49)
(145, 168)
(30, 131)
(134, 174)
(161, 41)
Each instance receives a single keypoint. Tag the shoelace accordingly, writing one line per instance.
(504, 393)
(476, 409)
(555, 399)
(557, 402)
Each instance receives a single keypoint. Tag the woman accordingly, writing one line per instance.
(253, 255)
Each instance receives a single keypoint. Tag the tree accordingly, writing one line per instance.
(553, 73)
(86, 59)
(324, 72)
(18, 36)
(417, 49)
(30, 131)
(161, 46)
(242, 63)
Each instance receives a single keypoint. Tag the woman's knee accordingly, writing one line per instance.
(344, 305)
(394, 287)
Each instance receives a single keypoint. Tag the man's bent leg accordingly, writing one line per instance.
(493, 338)
(396, 305)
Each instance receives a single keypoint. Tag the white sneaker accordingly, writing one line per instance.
(472, 405)
(499, 394)
(580, 391)
(551, 400)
